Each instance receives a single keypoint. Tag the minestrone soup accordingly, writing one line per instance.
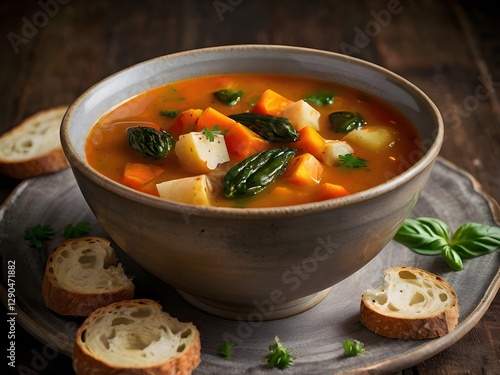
(252, 140)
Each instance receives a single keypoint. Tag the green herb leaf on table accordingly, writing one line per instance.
(170, 113)
(452, 258)
(321, 98)
(278, 356)
(426, 236)
(431, 236)
(353, 347)
(226, 349)
(349, 161)
(37, 235)
(473, 239)
(228, 97)
(79, 230)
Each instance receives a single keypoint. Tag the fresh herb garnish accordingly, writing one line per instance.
(353, 347)
(278, 356)
(171, 113)
(226, 349)
(344, 122)
(228, 97)
(431, 236)
(211, 133)
(321, 98)
(349, 161)
(38, 234)
(75, 231)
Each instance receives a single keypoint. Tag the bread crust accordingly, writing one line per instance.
(53, 160)
(405, 324)
(86, 361)
(65, 301)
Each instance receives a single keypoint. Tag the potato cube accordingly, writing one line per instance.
(300, 114)
(191, 190)
(198, 154)
(373, 138)
(329, 153)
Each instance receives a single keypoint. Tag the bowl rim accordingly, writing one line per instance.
(83, 167)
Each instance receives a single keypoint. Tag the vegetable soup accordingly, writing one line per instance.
(252, 140)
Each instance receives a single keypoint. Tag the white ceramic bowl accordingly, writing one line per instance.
(236, 263)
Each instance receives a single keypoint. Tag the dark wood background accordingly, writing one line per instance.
(53, 50)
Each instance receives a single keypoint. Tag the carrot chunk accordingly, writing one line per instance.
(304, 170)
(136, 175)
(310, 141)
(242, 142)
(330, 191)
(271, 103)
(185, 122)
(211, 118)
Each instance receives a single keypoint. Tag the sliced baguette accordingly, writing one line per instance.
(33, 147)
(412, 304)
(135, 337)
(82, 275)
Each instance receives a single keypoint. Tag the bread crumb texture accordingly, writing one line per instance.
(412, 304)
(135, 337)
(82, 275)
(33, 147)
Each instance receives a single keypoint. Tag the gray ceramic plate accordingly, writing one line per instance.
(314, 336)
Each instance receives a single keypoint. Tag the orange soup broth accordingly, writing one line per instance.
(108, 152)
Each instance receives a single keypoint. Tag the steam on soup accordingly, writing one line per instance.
(252, 140)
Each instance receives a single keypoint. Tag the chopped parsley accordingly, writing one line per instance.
(37, 235)
(226, 349)
(321, 98)
(278, 356)
(171, 113)
(349, 161)
(211, 133)
(353, 347)
(75, 231)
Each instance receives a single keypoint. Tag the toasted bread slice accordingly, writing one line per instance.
(412, 304)
(135, 337)
(33, 147)
(83, 274)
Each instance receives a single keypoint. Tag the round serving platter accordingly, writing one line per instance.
(315, 336)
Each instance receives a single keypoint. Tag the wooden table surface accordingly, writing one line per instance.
(53, 50)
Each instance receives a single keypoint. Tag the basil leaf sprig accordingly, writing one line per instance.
(431, 236)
